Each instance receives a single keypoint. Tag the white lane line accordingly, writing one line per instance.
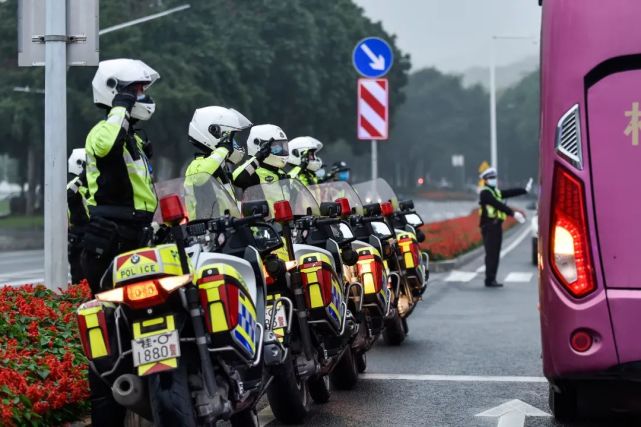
(265, 416)
(460, 276)
(519, 277)
(455, 378)
(510, 248)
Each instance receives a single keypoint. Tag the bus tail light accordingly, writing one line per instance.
(570, 249)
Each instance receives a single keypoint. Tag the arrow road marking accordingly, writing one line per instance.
(378, 62)
(513, 413)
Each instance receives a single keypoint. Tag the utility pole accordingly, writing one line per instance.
(55, 197)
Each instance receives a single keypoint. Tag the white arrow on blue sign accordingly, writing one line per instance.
(373, 57)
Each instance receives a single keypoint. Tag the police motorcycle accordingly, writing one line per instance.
(184, 317)
(407, 264)
(407, 223)
(307, 276)
(370, 275)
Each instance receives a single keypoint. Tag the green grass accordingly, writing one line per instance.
(22, 222)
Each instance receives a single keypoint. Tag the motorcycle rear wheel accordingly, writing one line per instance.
(394, 332)
(345, 374)
(288, 395)
(319, 389)
(170, 399)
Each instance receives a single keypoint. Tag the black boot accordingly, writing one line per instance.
(493, 284)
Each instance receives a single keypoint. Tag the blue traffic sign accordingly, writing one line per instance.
(373, 57)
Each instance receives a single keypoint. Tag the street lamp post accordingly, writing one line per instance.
(493, 132)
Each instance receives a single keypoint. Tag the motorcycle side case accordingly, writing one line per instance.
(94, 330)
(408, 246)
(322, 288)
(371, 273)
(228, 292)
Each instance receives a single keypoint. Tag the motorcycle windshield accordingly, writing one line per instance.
(202, 195)
(298, 196)
(331, 191)
(376, 191)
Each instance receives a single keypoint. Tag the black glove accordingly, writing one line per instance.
(304, 161)
(126, 97)
(264, 150)
(227, 141)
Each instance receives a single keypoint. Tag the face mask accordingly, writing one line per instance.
(492, 182)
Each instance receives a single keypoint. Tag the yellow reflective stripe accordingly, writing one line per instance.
(97, 343)
(315, 297)
(217, 315)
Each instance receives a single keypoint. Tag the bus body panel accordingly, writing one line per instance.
(579, 40)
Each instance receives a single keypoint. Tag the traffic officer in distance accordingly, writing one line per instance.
(267, 145)
(122, 198)
(339, 172)
(77, 194)
(493, 212)
(303, 159)
(212, 131)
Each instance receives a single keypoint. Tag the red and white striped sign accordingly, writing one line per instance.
(373, 109)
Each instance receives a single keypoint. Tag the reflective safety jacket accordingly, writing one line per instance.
(118, 173)
(196, 176)
(303, 175)
(493, 207)
(253, 173)
(77, 194)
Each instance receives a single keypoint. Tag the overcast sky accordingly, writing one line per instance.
(454, 35)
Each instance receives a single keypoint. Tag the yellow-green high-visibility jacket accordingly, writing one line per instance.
(253, 173)
(303, 175)
(198, 174)
(492, 205)
(118, 175)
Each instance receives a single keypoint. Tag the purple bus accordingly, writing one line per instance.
(590, 203)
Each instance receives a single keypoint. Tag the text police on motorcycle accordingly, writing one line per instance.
(493, 212)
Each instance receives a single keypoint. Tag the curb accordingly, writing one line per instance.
(453, 264)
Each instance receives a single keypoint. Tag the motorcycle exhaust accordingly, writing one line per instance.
(131, 392)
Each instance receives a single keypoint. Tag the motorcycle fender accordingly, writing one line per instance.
(149, 328)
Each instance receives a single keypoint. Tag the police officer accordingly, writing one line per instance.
(212, 131)
(493, 212)
(122, 199)
(77, 194)
(339, 172)
(303, 160)
(267, 145)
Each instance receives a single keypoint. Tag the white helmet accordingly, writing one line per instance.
(488, 173)
(279, 148)
(209, 123)
(77, 161)
(305, 146)
(115, 74)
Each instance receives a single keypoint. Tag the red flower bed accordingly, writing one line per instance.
(42, 367)
(453, 237)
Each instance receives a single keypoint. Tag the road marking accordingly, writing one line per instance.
(510, 248)
(455, 378)
(265, 416)
(513, 413)
(460, 276)
(519, 277)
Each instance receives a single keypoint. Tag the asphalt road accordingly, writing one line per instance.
(470, 349)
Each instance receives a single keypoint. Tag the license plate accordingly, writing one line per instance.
(155, 348)
(280, 320)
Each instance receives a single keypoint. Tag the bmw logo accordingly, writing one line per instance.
(135, 259)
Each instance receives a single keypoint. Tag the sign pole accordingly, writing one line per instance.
(55, 153)
(374, 160)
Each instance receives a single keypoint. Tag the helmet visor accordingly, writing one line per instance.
(280, 148)
(243, 122)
